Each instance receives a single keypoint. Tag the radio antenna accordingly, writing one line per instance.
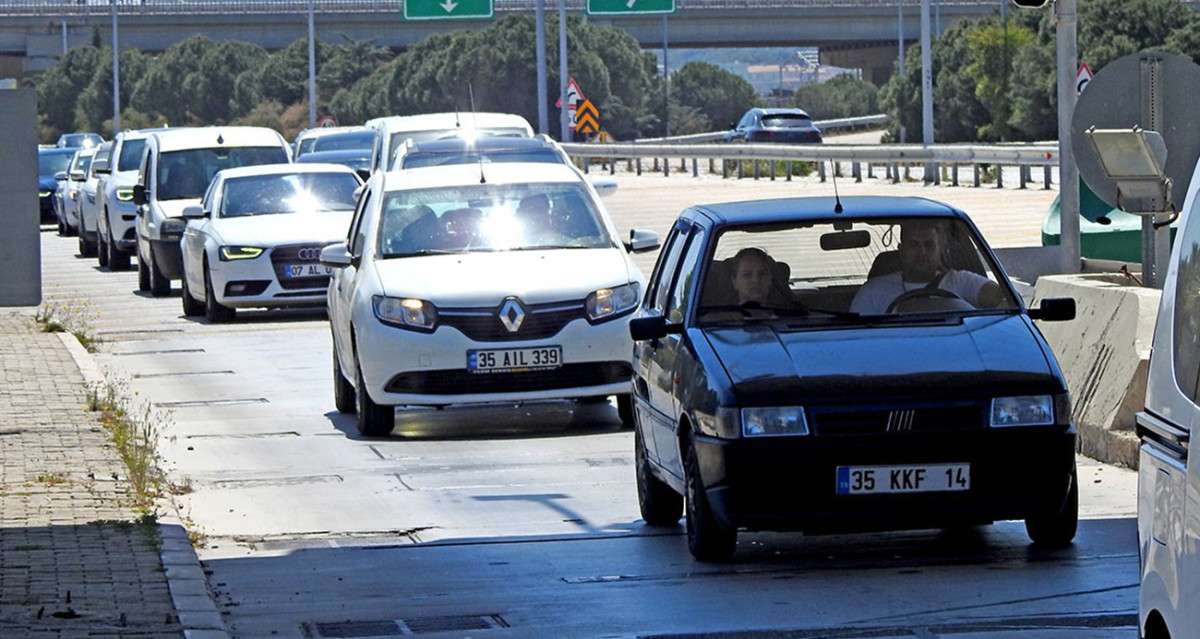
(475, 125)
(837, 199)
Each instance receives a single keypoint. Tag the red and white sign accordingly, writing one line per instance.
(327, 122)
(574, 97)
(1082, 78)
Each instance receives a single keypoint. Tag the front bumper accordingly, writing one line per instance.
(255, 283)
(403, 367)
(122, 220)
(789, 483)
(168, 256)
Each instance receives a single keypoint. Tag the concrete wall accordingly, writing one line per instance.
(20, 243)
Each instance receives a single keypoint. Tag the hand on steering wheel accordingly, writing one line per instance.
(922, 293)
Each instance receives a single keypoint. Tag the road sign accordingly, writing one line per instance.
(587, 118)
(574, 96)
(447, 9)
(327, 122)
(1082, 78)
(626, 7)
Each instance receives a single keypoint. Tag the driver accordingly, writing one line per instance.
(922, 247)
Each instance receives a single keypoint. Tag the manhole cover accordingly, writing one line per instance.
(406, 627)
(347, 629)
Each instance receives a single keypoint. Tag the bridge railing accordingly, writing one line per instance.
(720, 136)
(987, 162)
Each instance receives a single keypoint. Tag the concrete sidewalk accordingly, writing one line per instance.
(75, 559)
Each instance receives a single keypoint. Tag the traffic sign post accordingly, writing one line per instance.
(447, 9)
(629, 7)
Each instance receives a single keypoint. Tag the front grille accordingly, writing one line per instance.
(283, 255)
(857, 420)
(463, 382)
(484, 325)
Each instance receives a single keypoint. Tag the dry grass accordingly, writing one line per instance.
(69, 317)
(134, 426)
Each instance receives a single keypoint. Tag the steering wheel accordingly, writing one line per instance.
(925, 294)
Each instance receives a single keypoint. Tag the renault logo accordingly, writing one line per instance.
(900, 421)
(512, 314)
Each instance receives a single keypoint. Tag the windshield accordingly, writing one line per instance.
(397, 139)
(288, 193)
(841, 270)
(186, 174)
(353, 160)
(786, 120)
(51, 163)
(418, 159)
(131, 155)
(510, 217)
(80, 139)
(358, 141)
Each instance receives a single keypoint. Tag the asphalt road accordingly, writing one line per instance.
(524, 521)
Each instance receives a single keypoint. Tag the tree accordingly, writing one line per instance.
(59, 87)
(841, 97)
(720, 95)
(1109, 29)
(93, 108)
(990, 49)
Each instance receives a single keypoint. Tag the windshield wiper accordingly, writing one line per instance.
(423, 252)
(549, 247)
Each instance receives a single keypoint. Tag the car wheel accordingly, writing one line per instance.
(101, 249)
(214, 312)
(373, 420)
(62, 229)
(117, 261)
(160, 285)
(659, 503)
(708, 539)
(625, 410)
(192, 307)
(86, 248)
(1057, 529)
(143, 275)
(343, 391)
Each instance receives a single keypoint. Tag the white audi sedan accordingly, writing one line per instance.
(472, 285)
(256, 237)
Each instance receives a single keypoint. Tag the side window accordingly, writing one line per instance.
(747, 121)
(1186, 323)
(652, 285)
(358, 235)
(206, 202)
(689, 269)
(670, 264)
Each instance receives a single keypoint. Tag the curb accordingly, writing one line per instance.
(193, 602)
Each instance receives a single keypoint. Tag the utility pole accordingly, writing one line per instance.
(900, 43)
(926, 88)
(543, 109)
(667, 81)
(563, 119)
(65, 48)
(312, 67)
(1068, 173)
(116, 65)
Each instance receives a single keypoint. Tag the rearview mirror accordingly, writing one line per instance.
(641, 241)
(139, 194)
(843, 240)
(1054, 309)
(194, 212)
(336, 256)
(604, 186)
(61, 176)
(652, 327)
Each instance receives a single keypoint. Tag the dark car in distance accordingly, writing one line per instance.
(784, 126)
(816, 366)
(53, 165)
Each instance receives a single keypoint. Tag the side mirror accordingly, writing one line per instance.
(604, 186)
(364, 174)
(1054, 309)
(652, 327)
(61, 176)
(139, 195)
(101, 170)
(336, 256)
(194, 212)
(642, 241)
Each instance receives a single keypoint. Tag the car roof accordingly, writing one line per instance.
(782, 111)
(142, 134)
(468, 175)
(856, 207)
(320, 132)
(206, 137)
(60, 150)
(284, 169)
(481, 143)
(450, 120)
(317, 156)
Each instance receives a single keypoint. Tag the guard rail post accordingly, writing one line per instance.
(710, 166)
(1022, 173)
(612, 166)
(639, 166)
(695, 167)
(975, 169)
(741, 170)
(821, 171)
(1046, 177)
(954, 174)
(772, 170)
(856, 171)
(999, 176)
(870, 171)
(788, 167)
(666, 167)
(724, 169)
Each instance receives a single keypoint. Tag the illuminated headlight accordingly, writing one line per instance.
(608, 303)
(773, 422)
(125, 195)
(405, 312)
(232, 253)
(43, 193)
(1028, 410)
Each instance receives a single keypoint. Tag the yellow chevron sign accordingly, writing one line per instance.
(587, 118)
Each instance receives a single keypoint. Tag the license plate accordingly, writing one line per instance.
(510, 360)
(306, 270)
(925, 478)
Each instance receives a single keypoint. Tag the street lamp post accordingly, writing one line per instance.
(116, 72)
(1068, 172)
(563, 119)
(666, 80)
(543, 109)
(926, 87)
(312, 67)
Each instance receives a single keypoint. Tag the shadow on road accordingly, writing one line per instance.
(495, 421)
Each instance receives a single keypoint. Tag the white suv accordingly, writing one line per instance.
(116, 217)
(391, 132)
(177, 167)
(452, 290)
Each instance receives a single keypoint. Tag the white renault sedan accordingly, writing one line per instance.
(255, 238)
(461, 288)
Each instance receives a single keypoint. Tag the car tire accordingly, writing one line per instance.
(101, 249)
(343, 391)
(143, 275)
(160, 285)
(1057, 529)
(214, 311)
(117, 261)
(373, 420)
(86, 248)
(62, 229)
(625, 410)
(659, 503)
(708, 539)
(192, 307)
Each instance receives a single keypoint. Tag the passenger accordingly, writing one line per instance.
(922, 267)
(533, 214)
(753, 276)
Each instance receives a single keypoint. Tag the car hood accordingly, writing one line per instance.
(47, 184)
(280, 229)
(123, 178)
(486, 279)
(173, 208)
(982, 356)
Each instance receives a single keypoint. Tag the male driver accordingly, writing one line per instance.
(922, 247)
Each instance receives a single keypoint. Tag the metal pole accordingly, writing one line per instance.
(116, 72)
(900, 40)
(543, 108)
(312, 68)
(65, 48)
(563, 120)
(1068, 173)
(937, 20)
(927, 87)
(666, 81)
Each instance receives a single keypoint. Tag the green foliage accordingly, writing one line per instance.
(59, 87)
(990, 47)
(842, 97)
(720, 95)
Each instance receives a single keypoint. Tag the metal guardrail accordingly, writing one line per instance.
(719, 136)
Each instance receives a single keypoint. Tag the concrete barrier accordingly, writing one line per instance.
(1105, 355)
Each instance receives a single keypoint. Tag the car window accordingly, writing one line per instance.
(144, 172)
(419, 159)
(131, 154)
(358, 235)
(305, 146)
(659, 264)
(689, 268)
(747, 120)
(186, 174)
(1186, 322)
(207, 201)
(288, 193)
(353, 141)
(785, 120)
(398, 138)
(667, 266)
(51, 163)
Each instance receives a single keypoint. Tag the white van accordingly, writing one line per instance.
(176, 170)
(394, 130)
(1168, 484)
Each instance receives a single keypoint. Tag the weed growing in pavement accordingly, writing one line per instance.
(69, 317)
(52, 479)
(134, 426)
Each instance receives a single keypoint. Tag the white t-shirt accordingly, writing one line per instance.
(878, 293)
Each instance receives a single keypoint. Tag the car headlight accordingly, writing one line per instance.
(405, 312)
(231, 253)
(608, 303)
(770, 422)
(73, 194)
(43, 193)
(1027, 410)
(125, 195)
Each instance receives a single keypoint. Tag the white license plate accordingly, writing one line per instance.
(924, 478)
(507, 360)
(306, 270)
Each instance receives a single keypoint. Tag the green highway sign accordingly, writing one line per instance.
(447, 9)
(629, 7)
